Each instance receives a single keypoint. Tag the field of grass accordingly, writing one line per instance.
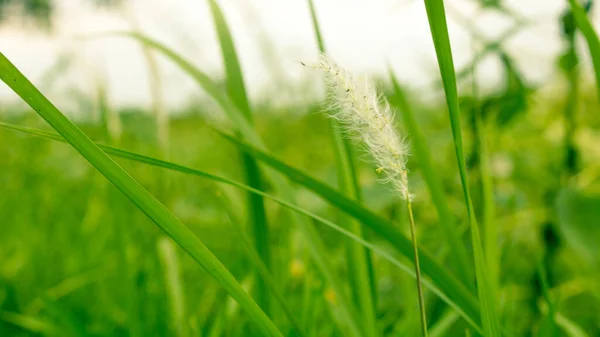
(271, 222)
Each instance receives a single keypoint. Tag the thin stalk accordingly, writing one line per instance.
(413, 234)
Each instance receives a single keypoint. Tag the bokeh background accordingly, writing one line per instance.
(77, 258)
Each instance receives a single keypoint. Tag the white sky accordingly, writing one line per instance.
(362, 35)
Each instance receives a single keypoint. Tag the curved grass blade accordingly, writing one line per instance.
(149, 205)
(236, 89)
(458, 255)
(469, 311)
(591, 38)
(243, 126)
(358, 261)
(439, 32)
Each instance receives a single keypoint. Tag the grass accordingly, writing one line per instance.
(294, 235)
(133, 190)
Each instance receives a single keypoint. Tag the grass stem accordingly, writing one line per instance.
(413, 235)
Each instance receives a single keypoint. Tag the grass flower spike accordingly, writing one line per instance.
(368, 118)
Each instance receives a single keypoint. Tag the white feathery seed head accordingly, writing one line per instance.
(368, 118)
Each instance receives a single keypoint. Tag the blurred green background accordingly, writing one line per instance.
(77, 258)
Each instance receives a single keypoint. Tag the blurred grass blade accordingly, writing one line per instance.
(548, 326)
(442, 326)
(258, 262)
(28, 323)
(213, 89)
(358, 261)
(490, 229)
(439, 32)
(153, 209)
(457, 296)
(316, 26)
(236, 89)
(243, 127)
(591, 38)
(174, 284)
(570, 328)
(66, 320)
(235, 79)
(458, 252)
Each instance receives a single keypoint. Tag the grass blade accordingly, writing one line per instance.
(458, 254)
(456, 296)
(591, 37)
(236, 89)
(358, 260)
(548, 326)
(439, 32)
(153, 209)
(444, 324)
(174, 285)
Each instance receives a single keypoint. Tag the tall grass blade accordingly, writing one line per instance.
(591, 37)
(458, 252)
(439, 32)
(358, 260)
(149, 205)
(456, 296)
(257, 217)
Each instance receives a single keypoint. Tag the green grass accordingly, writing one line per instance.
(295, 236)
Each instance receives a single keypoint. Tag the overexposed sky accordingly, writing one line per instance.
(363, 35)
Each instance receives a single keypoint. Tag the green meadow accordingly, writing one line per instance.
(231, 218)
